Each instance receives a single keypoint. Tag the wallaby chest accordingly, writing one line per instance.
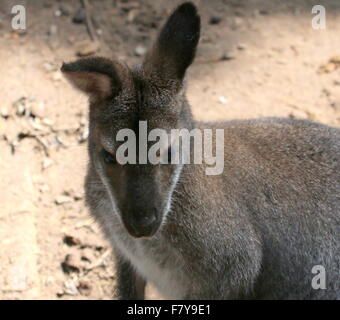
(155, 259)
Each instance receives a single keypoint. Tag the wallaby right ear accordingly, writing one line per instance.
(175, 47)
(97, 76)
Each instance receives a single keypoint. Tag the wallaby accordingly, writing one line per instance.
(266, 228)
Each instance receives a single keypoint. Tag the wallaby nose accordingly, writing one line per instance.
(144, 225)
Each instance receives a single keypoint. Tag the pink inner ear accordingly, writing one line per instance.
(93, 83)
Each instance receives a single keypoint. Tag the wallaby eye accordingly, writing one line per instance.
(108, 157)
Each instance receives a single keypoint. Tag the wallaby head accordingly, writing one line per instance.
(120, 98)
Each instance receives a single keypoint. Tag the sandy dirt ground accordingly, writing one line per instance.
(256, 58)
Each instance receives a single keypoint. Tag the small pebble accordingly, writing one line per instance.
(38, 110)
(47, 122)
(57, 76)
(20, 107)
(86, 48)
(47, 162)
(50, 67)
(58, 13)
(84, 136)
(227, 56)
(4, 112)
(140, 51)
(70, 288)
(222, 100)
(63, 199)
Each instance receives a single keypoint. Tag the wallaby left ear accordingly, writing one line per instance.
(175, 47)
(97, 77)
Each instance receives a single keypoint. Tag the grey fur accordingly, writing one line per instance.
(254, 232)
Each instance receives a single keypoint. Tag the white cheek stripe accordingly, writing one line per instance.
(172, 188)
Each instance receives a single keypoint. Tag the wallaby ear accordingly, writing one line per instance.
(95, 76)
(175, 47)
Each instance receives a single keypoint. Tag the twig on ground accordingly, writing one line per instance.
(88, 21)
(99, 262)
